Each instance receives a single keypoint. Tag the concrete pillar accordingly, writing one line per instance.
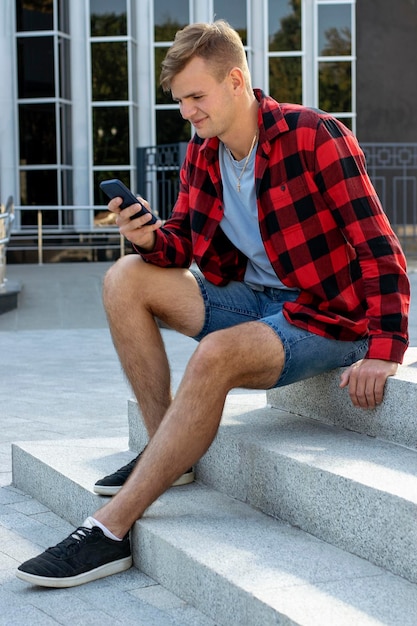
(9, 183)
(80, 95)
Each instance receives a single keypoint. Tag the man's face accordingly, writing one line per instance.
(208, 104)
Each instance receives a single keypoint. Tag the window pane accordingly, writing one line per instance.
(36, 67)
(37, 134)
(335, 31)
(109, 71)
(171, 127)
(63, 16)
(100, 197)
(347, 121)
(34, 15)
(65, 69)
(108, 18)
(66, 183)
(284, 25)
(285, 79)
(335, 86)
(233, 12)
(169, 17)
(66, 144)
(111, 135)
(39, 188)
(160, 96)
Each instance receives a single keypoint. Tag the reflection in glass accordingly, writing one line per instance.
(335, 86)
(171, 127)
(347, 121)
(108, 18)
(36, 67)
(109, 71)
(234, 13)
(110, 135)
(37, 134)
(63, 16)
(34, 15)
(67, 186)
(335, 32)
(169, 17)
(99, 197)
(285, 79)
(160, 96)
(66, 125)
(65, 68)
(284, 25)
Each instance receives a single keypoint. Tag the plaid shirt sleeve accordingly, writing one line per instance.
(348, 191)
(191, 232)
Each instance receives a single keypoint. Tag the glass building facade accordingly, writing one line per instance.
(81, 90)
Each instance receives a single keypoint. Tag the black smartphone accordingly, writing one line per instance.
(114, 188)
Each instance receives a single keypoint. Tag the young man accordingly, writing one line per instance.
(300, 273)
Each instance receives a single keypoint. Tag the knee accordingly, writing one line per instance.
(123, 276)
(210, 356)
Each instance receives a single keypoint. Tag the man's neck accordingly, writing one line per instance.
(239, 141)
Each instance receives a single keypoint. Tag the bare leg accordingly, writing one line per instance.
(250, 355)
(134, 293)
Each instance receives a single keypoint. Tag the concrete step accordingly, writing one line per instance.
(321, 399)
(353, 491)
(9, 293)
(231, 561)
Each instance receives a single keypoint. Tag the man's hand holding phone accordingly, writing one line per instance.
(135, 220)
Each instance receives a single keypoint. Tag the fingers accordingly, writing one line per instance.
(366, 381)
(114, 205)
(362, 392)
(128, 212)
(138, 231)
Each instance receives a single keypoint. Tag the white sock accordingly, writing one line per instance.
(92, 521)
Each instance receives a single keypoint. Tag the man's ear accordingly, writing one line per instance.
(237, 79)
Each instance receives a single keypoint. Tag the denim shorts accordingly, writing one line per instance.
(306, 354)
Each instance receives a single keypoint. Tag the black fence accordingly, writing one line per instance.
(158, 175)
(391, 166)
(393, 171)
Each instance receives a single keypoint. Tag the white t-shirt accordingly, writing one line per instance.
(240, 219)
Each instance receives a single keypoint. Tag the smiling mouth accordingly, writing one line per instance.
(199, 121)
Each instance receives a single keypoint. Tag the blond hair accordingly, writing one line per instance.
(217, 43)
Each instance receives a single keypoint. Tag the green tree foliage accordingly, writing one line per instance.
(109, 72)
(335, 77)
(285, 73)
(108, 24)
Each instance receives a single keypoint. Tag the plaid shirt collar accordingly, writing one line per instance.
(271, 123)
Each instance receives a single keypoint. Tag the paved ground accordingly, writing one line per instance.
(60, 378)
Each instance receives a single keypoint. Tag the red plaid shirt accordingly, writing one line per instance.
(321, 222)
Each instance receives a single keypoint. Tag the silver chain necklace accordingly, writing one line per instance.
(239, 178)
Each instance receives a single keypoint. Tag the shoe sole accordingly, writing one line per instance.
(115, 567)
(104, 490)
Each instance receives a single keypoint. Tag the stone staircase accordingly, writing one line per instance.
(304, 510)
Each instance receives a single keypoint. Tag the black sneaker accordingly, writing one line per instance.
(111, 484)
(86, 555)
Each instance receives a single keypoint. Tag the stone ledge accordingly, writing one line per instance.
(222, 556)
(321, 398)
(358, 492)
(9, 292)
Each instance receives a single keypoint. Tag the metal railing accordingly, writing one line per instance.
(392, 168)
(158, 175)
(6, 222)
(41, 238)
